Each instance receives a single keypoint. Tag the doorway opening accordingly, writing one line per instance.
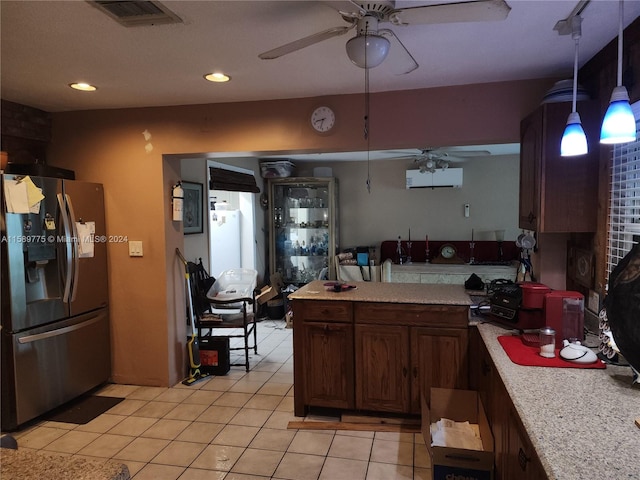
(231, 217)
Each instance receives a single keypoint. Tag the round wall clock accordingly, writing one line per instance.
(323, 119)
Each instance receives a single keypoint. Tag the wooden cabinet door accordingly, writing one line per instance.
(438, 359)
(558, 194)
(485, 380)
(500, 406)
(382, 363)
(521, 460)
(328, 364)
(530, 157)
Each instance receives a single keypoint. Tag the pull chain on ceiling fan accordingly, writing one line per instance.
(367, 112)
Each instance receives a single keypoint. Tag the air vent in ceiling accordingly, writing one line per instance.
(135, 13)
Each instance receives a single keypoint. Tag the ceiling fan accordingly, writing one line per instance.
(372, 44)
(432, 159)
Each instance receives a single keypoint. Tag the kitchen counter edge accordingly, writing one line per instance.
(580, 421)
(415, 293)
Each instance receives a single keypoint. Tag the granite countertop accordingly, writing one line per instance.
(27, 464)
(580, 421)
(417, 293)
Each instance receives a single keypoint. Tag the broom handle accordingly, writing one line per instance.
(189, 299)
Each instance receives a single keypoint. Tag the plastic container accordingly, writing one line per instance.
(238, 283)
(547, 342)
(277, 169)
(533, 295)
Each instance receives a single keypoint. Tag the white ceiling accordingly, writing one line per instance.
(48, 44)
(45, 45)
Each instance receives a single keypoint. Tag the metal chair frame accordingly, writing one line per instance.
(214, 315)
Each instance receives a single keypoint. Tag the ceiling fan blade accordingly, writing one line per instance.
(305, 42)
(470, 11)
(463, 153)
(405, 157)
(346, 8)
(406, 62)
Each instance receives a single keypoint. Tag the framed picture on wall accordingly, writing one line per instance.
(192, 207)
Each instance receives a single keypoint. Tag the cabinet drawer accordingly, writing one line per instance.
(323, 311)
(412, 315)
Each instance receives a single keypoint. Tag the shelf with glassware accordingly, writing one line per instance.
(304, 228)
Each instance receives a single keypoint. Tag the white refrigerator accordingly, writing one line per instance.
(225, 241)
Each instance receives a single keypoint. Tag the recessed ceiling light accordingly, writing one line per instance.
(217, 77)
(85, 87)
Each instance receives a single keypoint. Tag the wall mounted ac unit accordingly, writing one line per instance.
(449, 177)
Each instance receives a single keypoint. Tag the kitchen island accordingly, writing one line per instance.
(579, 422)
(378, 346)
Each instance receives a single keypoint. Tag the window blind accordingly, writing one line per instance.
(624, 207)
(230, 180)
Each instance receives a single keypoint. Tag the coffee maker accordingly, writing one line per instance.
(564, 312)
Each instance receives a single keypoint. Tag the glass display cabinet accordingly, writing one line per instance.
(303, 228)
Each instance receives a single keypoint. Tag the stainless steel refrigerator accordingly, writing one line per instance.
(55, 324)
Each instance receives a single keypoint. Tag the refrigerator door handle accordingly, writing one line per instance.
(67, 246)
(59, 331)
(76, 253)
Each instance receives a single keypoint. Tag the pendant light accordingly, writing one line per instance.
(574, 141)
(619, 124)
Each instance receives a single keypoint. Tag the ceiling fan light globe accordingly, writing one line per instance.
(368, 51)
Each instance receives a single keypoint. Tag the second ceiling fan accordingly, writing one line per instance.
(372, 44)
(432, 159)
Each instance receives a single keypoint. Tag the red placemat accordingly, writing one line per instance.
(523, 354)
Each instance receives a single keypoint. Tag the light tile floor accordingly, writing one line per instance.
(231, 427)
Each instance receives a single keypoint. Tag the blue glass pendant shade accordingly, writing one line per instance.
(619, 124)
(574, 141)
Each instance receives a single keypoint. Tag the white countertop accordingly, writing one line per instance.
(453, 274)
(580, 421)
(453, 269)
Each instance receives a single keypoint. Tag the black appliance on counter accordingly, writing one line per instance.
(505, 299)
(517, 305)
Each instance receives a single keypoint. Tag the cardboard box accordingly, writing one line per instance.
(269, 292)
(452, 463)
(266, 293)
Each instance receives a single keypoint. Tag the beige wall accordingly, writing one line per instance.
(490, 187)
(108, 146)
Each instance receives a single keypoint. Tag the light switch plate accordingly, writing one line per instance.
(135, 248)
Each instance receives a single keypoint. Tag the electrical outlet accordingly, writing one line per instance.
(135, 248)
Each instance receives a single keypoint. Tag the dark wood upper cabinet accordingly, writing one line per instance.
(558, 194)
